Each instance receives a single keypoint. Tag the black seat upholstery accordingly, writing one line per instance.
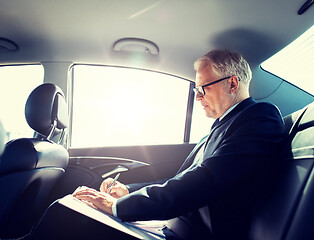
(30, 167)
(287, 211)
(2, 138)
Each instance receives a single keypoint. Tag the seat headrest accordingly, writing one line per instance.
(300, 119)
(307, 119)
(300, 126)
(2, 138)
(45, 105)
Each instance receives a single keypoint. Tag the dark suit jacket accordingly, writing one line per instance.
(216, 197)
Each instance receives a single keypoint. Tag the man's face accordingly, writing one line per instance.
(217, 98)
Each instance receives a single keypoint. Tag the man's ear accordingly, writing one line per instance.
(233, 83)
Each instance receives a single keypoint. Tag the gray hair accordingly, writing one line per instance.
(226, 63)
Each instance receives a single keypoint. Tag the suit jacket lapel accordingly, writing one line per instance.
(231, 115)
(190, 158)
(237, 110)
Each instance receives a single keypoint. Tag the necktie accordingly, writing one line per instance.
(215, 123)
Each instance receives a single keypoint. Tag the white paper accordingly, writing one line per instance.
(153, 228)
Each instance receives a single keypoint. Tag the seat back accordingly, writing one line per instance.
(285, 212)
(30, 167)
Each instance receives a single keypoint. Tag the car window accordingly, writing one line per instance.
(17, 82)
(122, 106)
(201, 124)
(295, 62)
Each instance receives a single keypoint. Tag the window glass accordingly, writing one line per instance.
(17, 82)
(295, 62)
(201, 124)
(122, 106)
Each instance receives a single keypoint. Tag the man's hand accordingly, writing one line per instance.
(101, 201)
(118, 189)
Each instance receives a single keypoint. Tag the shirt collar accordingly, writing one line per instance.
(228, 111)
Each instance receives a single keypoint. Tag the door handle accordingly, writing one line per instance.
(118, 169)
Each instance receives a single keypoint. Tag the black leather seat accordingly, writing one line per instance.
(287, 211)
(2, 138)
(30, 167)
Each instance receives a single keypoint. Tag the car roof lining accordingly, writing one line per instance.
(76, 30)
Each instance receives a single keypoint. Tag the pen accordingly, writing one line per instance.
(114, 180)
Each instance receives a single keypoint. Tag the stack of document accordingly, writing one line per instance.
(139, 229)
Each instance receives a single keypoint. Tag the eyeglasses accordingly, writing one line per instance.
(200, 89)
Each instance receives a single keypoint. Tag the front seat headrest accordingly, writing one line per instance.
(46, 110)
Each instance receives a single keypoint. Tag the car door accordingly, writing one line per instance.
(128, 121)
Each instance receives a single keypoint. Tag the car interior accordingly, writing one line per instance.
(95, 88)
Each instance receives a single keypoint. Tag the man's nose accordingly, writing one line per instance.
(198, 97)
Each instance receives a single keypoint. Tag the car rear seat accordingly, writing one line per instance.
(2, 138)
(287, 211)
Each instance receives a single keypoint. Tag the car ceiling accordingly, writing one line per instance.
(83, 31)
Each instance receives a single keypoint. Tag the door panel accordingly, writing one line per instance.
(136, 164)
